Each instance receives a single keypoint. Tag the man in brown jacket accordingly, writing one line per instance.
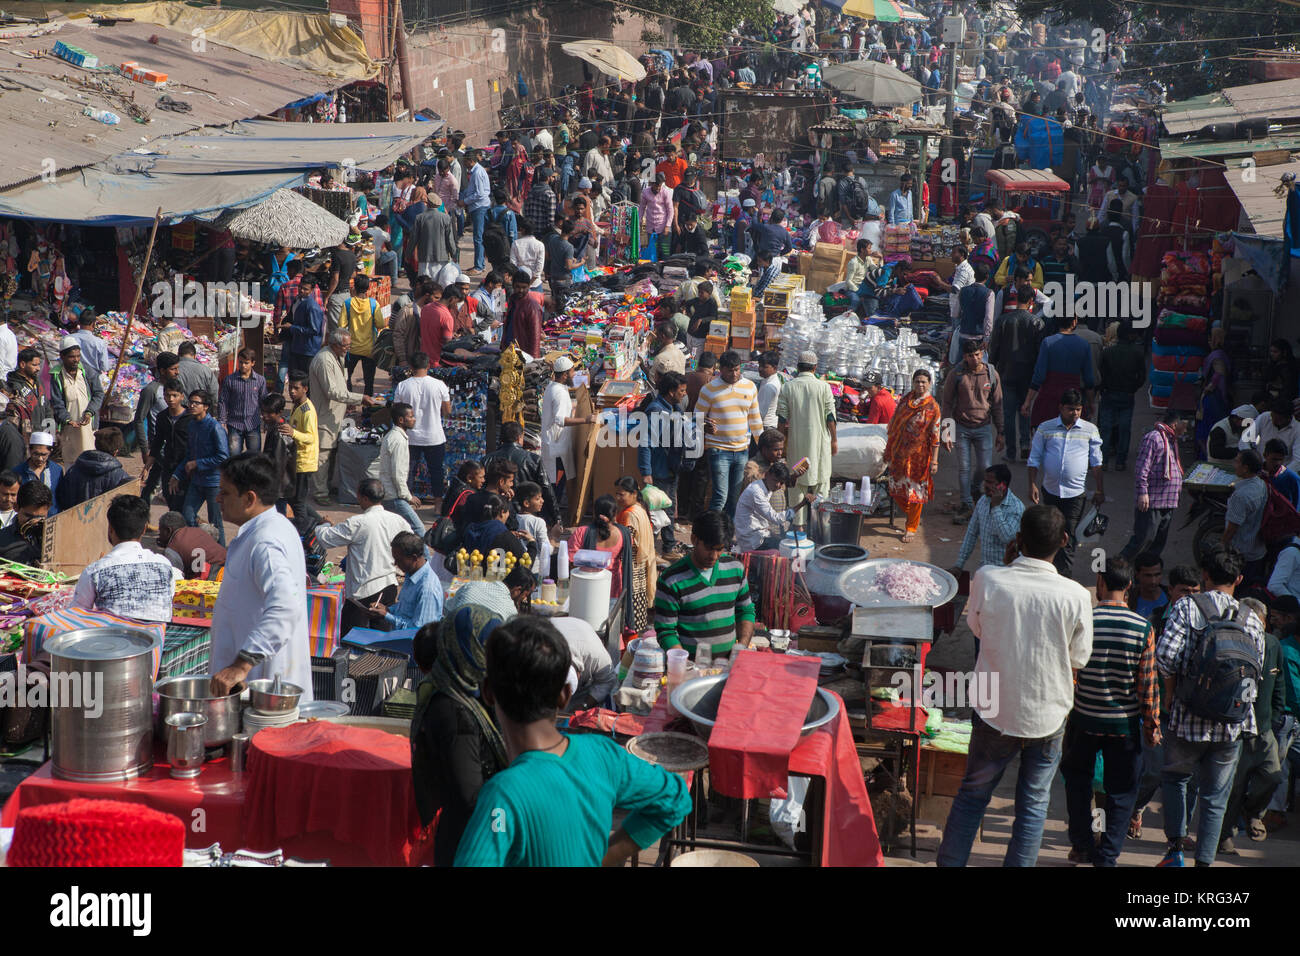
(972, 419)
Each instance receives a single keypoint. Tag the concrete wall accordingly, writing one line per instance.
(466, 72)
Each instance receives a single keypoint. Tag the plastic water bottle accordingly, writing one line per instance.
(104, 116)
(703, 656)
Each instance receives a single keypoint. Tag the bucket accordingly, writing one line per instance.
(720, 858)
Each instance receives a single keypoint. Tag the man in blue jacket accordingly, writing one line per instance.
(305, 330)
(208, 449)
(666, 448)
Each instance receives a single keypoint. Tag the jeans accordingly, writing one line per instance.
(387, 264)
(1072, 508)
(299, 363)
(1213, 765)
(1115, 420)
(479, 218)
(728, 471)
(1151, 526)
(299, 499)
(1015, 426)
(1122, 763)
(194, 497)
(1259, 771)
(980, 441)
(1286, 731)
(334, 312)
(668, 486)
(403, 509)
(433, 456)
(1153, 762)
(243, 441)
(368, 366)
(990, 754)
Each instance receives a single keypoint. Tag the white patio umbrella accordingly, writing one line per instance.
(609, 59)
(876, 83)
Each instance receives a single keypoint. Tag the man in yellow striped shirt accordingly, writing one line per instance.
(729, 406)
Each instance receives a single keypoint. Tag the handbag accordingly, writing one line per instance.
(443, 537)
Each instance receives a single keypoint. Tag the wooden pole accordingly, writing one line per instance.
(130, 315)
(391, 53)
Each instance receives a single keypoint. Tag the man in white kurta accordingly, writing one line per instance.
(259, 624)
(805, 410)
(558, 422)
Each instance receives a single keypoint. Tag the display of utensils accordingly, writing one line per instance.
(185, 744)
(273, 696)
(179, 695)
(101, 721)
(239, 752)
(254, 720)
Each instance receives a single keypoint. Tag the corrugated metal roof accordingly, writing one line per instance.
(1265, 210)
(1231, 147)
(41, 99)
(1277, 100)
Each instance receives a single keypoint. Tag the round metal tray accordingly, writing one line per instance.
(674, 752)
(856, 585)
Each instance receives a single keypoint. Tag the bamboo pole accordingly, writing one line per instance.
(130, 315)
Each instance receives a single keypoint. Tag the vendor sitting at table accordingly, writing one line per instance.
(704, 597)
(758, 525)
(420, 600)
(21, 539)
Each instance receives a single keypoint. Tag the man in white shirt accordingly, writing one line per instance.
(258, 625)
(759, 526)
(1034, 629)
(394, 465)
(371, 573)
(9, 485)
(528, 252)
(597, 673)
(1279, 423)
(557, 420)
(9, 349)
(430, 398)
(769, 387)
(542, 137)
(128, 581)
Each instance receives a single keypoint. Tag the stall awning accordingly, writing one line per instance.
(43, 99)
(206, 172)
(1262, 206)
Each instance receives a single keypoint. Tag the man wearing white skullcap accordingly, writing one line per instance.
(805, 413)
(76, 397)
(38, 466)
(1227, 436)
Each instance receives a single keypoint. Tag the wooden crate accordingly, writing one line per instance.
(941, 772)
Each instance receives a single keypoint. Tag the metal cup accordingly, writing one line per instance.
(185, 743)
(239, 752)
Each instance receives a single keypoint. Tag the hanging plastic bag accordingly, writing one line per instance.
(787, 816)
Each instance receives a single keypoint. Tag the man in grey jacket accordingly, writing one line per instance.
(433, 237)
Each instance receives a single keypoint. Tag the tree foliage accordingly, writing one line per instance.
(702, 24)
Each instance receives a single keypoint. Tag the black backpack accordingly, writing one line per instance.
(1223, 673)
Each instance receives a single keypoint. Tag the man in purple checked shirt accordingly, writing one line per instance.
(1157, 482)
(239, 405)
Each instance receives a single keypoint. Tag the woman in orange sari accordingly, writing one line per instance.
(645, 571)
(912, 450)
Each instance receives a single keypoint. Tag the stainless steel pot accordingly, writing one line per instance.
(101, 687)
(181, 695)
(829, 564)
(697, 700)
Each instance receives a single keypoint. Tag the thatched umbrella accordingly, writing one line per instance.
(286, 218)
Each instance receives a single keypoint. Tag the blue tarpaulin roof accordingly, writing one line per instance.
(204, 173)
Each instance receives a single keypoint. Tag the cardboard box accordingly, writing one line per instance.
(780, 296)
(774, 316)
(743, 342)
(719, 330)
(742, 298)
(745, 318)
(805, 263)
(195, 599)
(772, 334)
(715, 345)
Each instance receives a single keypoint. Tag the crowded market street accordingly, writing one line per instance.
(811, 433)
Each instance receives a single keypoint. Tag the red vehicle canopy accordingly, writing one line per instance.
(1026, 181)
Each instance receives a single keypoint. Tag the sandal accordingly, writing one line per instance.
(909, 536)
(1257, 830)
(1135, 826)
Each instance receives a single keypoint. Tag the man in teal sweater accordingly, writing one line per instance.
(554, 804)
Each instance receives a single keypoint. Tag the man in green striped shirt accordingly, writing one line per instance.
(1115, 704)
(703, 598)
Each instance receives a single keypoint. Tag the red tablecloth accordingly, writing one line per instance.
(348, 784)
(764, 703)
(849, 835)
(211, 805)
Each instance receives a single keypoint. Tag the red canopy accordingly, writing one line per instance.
(1026, 181)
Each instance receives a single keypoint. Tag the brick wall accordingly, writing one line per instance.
(466, 72)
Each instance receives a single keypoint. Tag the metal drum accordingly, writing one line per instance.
(101, 687)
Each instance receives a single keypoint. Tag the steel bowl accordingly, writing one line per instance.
(181, 695)
(697, 700)
(263, 697)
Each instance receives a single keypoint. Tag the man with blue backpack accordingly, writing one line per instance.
(1211, 656)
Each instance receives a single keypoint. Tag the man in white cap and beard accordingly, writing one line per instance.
(557, 419)
(38, 466)
(76, 397)
(805, 413)
(1227, 437)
